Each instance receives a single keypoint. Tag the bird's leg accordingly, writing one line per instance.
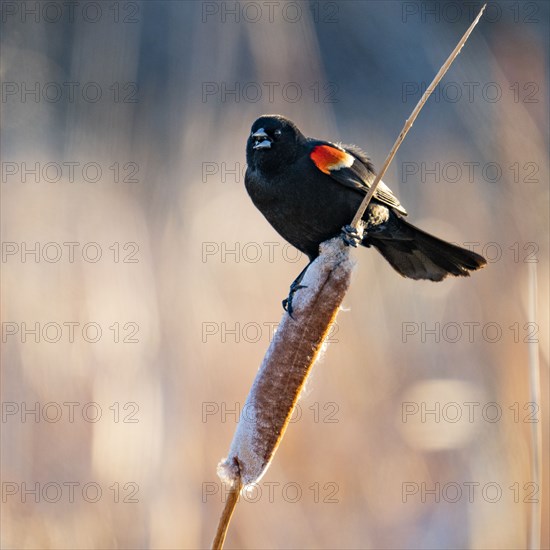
(295, 286)
(350, 235)
(353, 236)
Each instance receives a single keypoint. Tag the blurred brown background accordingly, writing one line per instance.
(123, 133)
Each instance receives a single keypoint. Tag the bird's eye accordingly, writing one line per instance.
(277, 132)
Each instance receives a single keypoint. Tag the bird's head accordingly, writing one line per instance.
(273, 142)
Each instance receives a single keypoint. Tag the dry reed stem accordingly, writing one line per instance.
(410, 121)
(225, 518)
(536, 427)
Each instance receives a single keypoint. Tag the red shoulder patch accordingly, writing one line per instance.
(328, 158)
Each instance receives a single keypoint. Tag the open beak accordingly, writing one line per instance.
(261, 140)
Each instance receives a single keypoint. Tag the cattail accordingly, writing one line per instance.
(296, 345)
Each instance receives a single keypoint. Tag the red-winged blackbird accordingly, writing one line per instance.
(309, 189)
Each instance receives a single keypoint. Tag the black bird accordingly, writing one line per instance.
(309, 191)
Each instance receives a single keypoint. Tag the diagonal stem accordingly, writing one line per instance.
(231, 502)
(412, 118)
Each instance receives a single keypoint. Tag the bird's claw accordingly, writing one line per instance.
(287, 302)
(351, 235)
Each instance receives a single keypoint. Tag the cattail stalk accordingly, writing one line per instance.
(295, 347)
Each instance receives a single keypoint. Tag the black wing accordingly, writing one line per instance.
(348, 165)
